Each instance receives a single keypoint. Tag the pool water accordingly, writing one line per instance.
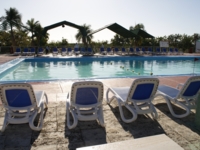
(109, 67)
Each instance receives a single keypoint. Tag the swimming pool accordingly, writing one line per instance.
(48, 69)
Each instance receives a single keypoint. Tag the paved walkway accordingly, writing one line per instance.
(56, 135)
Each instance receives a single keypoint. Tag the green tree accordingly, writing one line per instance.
(11, 20)
(83, 35)
(137, 40)
(41, 39)
(31, 25)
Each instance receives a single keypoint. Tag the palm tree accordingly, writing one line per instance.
(83, 35)
(31, 25)
(11, 20)
(41, 39)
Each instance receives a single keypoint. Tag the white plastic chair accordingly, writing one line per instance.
(137, 98)
(188, 94)
(85, 103)
(22, 104)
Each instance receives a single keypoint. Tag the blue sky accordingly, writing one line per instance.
(160, 17)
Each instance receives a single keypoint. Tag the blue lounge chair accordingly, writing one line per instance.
(158, 51)
(102, 51)
(178, 52)
(116, 51)
(32, 51)
(63, 51)
(164, 51)
(135, 98)
(171, 51)
(149, 50)
(131, 51)
(85, 103)
(69, 50)
(90, 51)
(109, 51)
(137, 51)
(124, 52)
(188, 93)
(22, 104)
(76, 51)
(26, 51)
(40, 51)
(143, 50)
(18, 51)
(55, 51)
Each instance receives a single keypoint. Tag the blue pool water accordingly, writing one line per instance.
(36, 69)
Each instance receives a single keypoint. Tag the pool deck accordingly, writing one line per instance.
(56, 135)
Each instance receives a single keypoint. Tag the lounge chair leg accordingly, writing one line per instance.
(122, 114)
(5, 123)
(107, 98)
(101, 118)
(75, 120)
(178, 103)
(154, 114)
(41, 119)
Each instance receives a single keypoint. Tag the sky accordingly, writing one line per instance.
(160, 17)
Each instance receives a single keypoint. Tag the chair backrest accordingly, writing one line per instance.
(26, 49)
(108, 49)
(164, 50)
(191, 88)
(89, 49)
(150, 49)
(87, 92)
(171, 50)
(17, 95)
(123, 49)
(18, 49)
(143, 89)
(116, 49)
(69, 49)
(143, 49)
(40, 49)
(137, 49)
(64, 49)
(76, 49)
(55, 49)
(131, 49)
(32, 49)
(158, 49)
(101, 49)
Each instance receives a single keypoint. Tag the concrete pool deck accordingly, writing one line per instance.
(56, 135)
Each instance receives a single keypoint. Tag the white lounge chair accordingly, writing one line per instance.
(22, 104)
(137, 98)
(63, 51)
(26, 51)
(55, 51)
(186, 97)
(18, 51)
(40, 51)
(85, 103)
(32, 52)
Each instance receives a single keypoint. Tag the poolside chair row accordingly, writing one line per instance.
(84, 102)
(140, 51)
(29, 51)
(170, 51)
(125, 51)
(76, 51)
